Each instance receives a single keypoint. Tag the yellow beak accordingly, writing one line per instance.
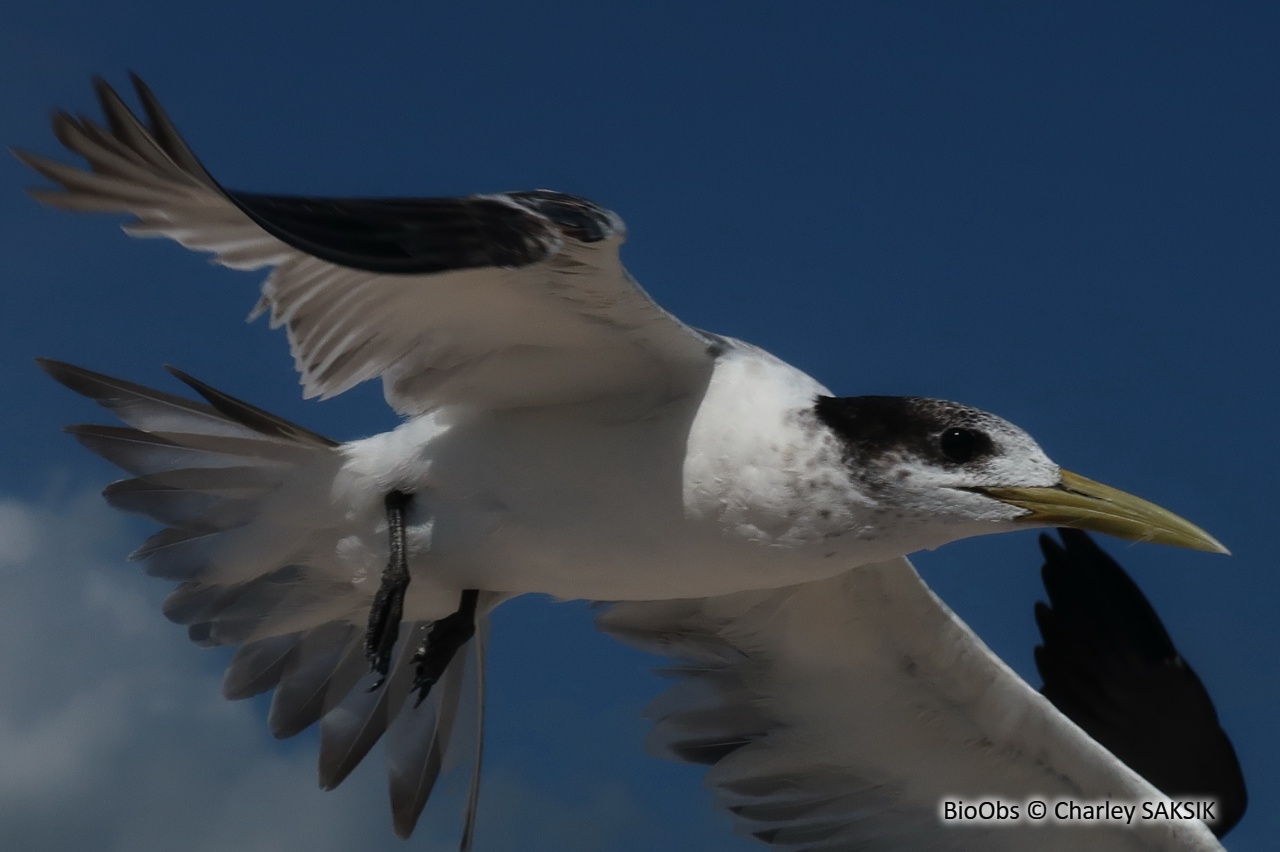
(1082, 503)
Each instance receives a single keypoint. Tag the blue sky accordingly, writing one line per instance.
(1062, 213)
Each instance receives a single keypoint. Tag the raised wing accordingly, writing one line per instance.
(1108, 663)
(492, 300)
(842, 714)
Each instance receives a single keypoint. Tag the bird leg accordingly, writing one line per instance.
(447, 635)
(388, 603)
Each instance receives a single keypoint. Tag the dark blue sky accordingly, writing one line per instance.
(1064, 213)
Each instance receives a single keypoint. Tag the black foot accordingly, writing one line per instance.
(388, 603)
(446, 637)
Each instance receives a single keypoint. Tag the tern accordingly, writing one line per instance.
(842, 714)
(563, 434)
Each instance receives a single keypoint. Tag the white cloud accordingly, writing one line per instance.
(114, 735)
(113, 732)
(17, 534)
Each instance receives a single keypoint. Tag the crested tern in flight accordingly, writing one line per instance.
(563, 434)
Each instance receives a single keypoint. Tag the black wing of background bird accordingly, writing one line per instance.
(1108, 663)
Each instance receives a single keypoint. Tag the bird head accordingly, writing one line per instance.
(962, 472)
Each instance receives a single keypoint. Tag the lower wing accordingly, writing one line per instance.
(843, 714)
(219, 476)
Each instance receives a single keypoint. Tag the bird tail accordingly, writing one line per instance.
(249, 528)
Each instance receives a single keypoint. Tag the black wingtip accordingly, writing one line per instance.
(247, 414)
(148, 98)
(78, 379)
(166, 135)
(27, 158)
(60, 371)
(1049, 547)
(105, 91)
(183, 376)
(60, 120)
(1110, 665)
(106, 94)
(211, 395)
(145, 94)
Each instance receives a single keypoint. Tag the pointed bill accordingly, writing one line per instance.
(1084, 504)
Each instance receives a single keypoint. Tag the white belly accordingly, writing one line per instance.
(602, 504)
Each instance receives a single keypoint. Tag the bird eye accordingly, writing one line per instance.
(963, 445)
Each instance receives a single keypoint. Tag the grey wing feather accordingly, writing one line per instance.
(161, 128)
(355, 725)
(180, 508)
(146, 408)
(260, 420)
(839, 714)
(328, 663)
(142, 453)
(210, 472)
(416, 749)
(350, 731)
(472, 809)
(231, 483)
(256, 667)
(503, 299)
(444, 734)
(174, 554)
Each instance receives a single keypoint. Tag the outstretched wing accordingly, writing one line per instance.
(1108, 663)
(842, 714)
(515, 298)
(215, 474)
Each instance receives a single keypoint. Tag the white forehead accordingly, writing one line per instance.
(1018, 460)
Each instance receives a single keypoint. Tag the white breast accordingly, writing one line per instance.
(739, 488)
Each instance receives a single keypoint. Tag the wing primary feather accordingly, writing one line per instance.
(124, 125)
(102, 156)
(406, 236)
(481, 640)
(448, 291)
(258, 666)
(249, 415)
(166, 134)
(350, 729)
(1108, 663)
